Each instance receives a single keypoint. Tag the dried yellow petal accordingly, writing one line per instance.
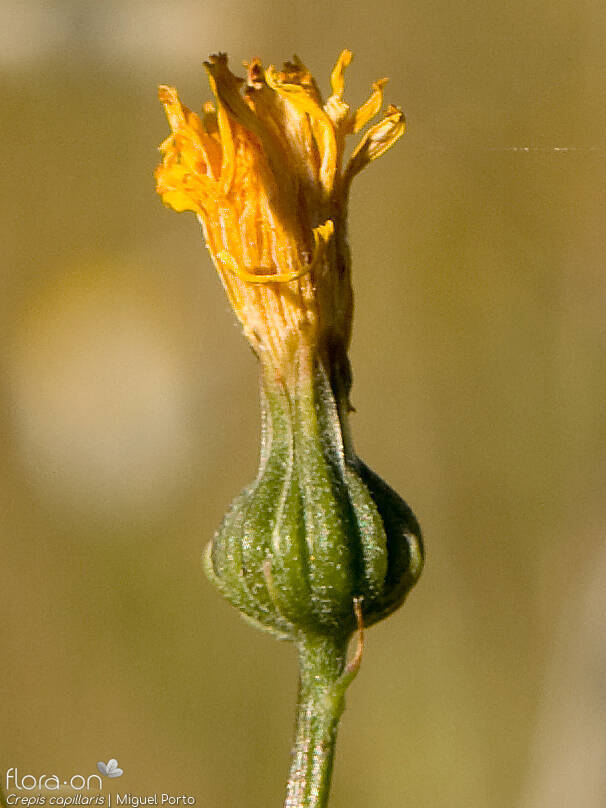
(262, 169)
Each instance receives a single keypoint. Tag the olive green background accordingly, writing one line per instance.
(130, 420)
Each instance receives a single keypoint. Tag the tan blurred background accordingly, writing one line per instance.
(129, 416)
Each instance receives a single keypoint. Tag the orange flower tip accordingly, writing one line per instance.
(299, 70)
(254, 74)
(218, 64)
(345, 59)
(396, 113)
(291, 73)
(167, 94)
(217, 59)
(337, 77)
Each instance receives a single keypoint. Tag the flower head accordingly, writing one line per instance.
(263, 168)
(317, 542)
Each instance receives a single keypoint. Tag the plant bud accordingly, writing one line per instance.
(317, 528)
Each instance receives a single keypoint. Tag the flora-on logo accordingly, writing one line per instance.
(110, 769)
(48, 782)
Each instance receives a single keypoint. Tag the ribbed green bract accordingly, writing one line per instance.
(317, 528)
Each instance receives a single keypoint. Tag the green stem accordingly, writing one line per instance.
(324, 678)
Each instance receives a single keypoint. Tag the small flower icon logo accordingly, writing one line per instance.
(110, 769)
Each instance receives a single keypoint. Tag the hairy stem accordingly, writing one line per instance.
(324, 677)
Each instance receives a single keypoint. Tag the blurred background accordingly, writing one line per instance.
(129, 416)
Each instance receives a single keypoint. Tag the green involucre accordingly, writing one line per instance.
(317, 528)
